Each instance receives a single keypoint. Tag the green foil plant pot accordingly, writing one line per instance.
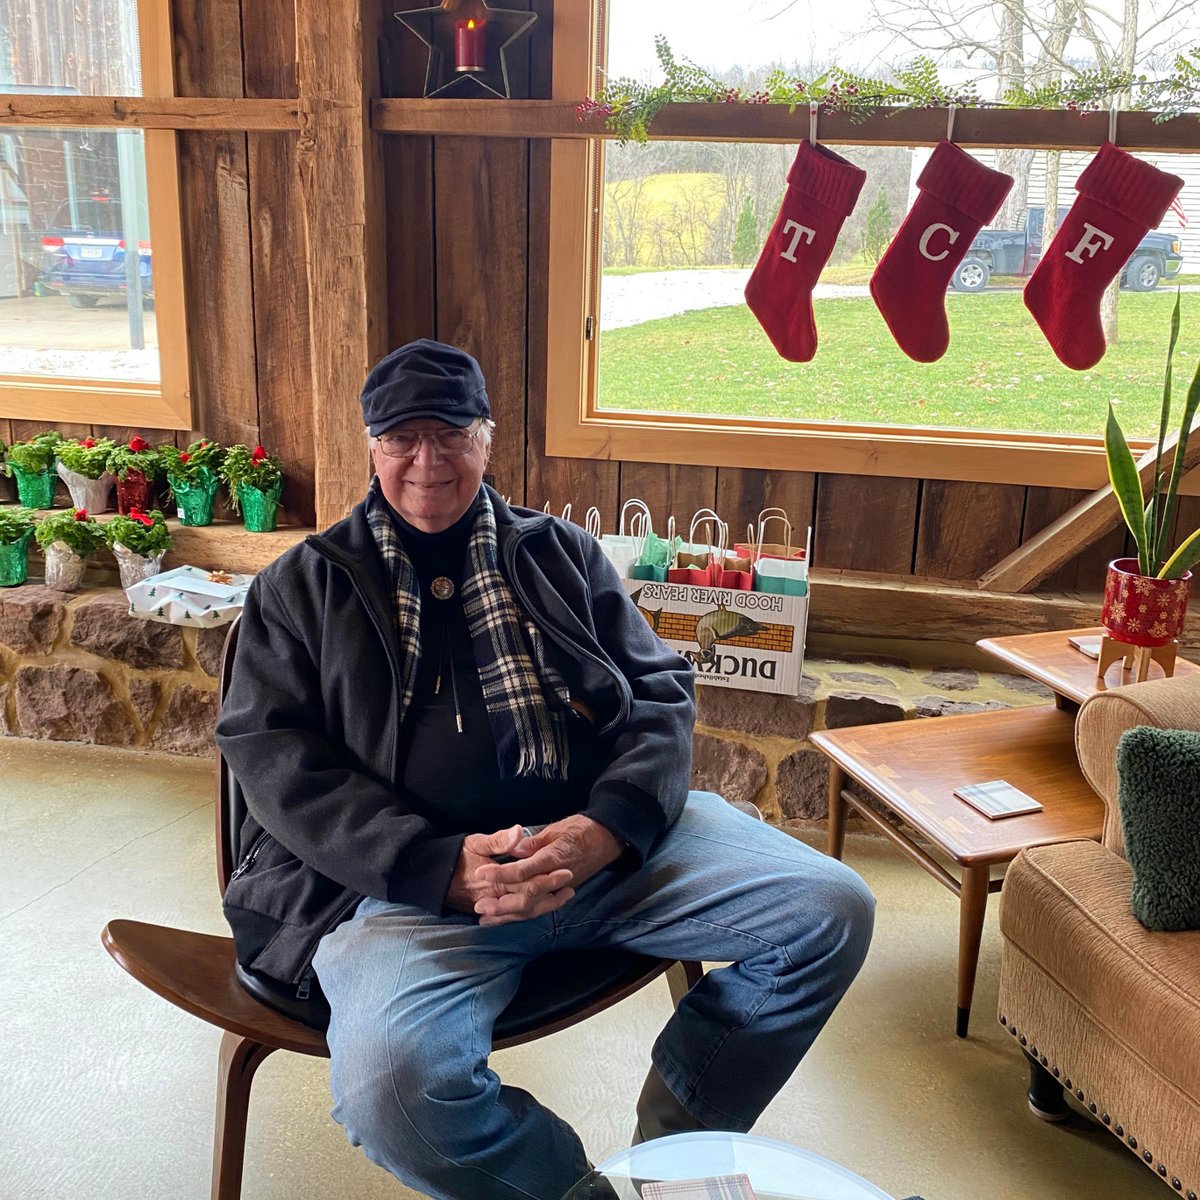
(259, 507)
(34, 488)
(195, 500)
(14, 561)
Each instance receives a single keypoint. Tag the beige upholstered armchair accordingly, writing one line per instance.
(1102, 1006)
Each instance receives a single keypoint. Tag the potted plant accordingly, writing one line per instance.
(31, 462)
(68, 539)
(83, 467)
(192, 476)
(1145, 598)
(254, 479)
(136, 466)
(138, 542)
(16, 528)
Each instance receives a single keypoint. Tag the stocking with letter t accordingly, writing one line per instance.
(822, 189)
(1120, 200)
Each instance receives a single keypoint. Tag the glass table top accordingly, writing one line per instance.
(776, 1170)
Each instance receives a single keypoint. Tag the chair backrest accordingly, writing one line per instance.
(231, 805)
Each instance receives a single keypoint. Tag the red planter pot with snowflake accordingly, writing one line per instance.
(1141, 610)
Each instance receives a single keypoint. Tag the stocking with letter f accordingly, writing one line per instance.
(959, 195)
(1120, 200)
(822, 188)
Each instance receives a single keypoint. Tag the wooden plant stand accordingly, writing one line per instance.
(1111, 650)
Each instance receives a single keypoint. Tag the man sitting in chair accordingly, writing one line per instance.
(461, 747)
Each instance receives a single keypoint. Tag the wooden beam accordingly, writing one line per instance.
(858, 604)
(179, 112)
(339, 189)
(973, 128)
(1076, 529)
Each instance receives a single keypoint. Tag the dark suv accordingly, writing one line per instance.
(1018, 251)
(84, 254)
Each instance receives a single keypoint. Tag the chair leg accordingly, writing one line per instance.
(239, 1059)
(1045, 1093)
(682, 977)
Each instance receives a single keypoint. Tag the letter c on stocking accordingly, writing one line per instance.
(924, 243)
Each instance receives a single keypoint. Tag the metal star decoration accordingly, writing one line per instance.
(435, 27)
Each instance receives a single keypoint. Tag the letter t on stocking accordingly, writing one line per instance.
(822, 188)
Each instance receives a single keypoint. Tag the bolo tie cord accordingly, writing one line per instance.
(437, 687)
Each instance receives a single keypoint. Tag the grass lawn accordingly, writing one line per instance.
(999, 372)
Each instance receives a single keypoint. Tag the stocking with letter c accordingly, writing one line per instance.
(959, 195)
(822, 189)
(1120, 200)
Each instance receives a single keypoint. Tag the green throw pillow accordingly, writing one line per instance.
(1158, 774)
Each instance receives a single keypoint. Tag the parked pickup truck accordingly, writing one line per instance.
(1017, 251)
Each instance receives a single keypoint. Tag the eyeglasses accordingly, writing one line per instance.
(449, 443)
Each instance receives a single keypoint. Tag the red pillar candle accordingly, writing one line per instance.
(470, 45)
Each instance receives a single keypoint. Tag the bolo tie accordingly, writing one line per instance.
(443, 589)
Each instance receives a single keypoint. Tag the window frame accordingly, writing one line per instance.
(577, 428)
(166, 404)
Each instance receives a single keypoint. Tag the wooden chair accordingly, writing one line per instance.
(200, 974)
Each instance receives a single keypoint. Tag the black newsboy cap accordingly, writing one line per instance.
(424, 379)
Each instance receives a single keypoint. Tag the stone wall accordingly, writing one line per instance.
(78, 668)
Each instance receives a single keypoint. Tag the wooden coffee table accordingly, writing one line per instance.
(914, 766)
(1051, 659)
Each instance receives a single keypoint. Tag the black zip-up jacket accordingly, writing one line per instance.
(310, 727)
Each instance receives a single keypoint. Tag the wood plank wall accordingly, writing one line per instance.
(467, 263)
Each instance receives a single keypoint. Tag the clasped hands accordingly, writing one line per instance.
(546, 870)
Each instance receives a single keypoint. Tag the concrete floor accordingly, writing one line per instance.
(110, 1092)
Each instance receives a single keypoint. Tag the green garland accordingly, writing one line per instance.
(628, 106)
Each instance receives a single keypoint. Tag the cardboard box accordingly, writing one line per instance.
(749, 640)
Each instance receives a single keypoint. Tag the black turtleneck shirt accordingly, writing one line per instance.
(452, 778)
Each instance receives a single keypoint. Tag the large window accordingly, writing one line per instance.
(91, 285)
(671, 363)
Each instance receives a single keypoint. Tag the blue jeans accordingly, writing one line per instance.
(414, 999)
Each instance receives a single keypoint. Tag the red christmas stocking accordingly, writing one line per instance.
(1120, 200)
(958, 196)
(822, 188)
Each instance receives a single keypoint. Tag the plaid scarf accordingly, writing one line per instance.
(527, 701)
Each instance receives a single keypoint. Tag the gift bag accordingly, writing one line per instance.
(189, 596)
(657, 554)
(736, 571)
(699, 563)
(782, 576)
(755, 547)
(591, 522)
(622, 548)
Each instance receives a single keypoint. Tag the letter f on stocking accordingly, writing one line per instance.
(821, 193)
(1120, 199)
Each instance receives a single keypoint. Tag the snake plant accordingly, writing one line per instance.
(1150, 523)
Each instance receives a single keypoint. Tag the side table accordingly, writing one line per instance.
(913, 767)
(1051, 659)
